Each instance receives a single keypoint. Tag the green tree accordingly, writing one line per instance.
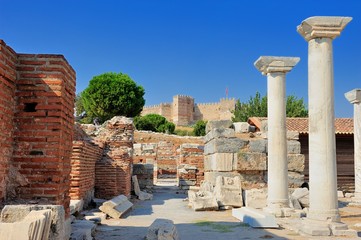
(200, 128)
(257, 107)
(154, 122)
(80, 112)
(295, 107)
(112, 94)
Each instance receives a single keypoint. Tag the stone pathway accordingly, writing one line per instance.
(169, 203)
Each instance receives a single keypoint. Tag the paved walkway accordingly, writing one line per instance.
(191, 225)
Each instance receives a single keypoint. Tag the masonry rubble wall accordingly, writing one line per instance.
(168, 156)
(167, 159)
(144, 160)
(37, 109)
(191, 165)
(114, 169)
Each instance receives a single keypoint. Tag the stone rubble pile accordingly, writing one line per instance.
(162, 229)
(226, 193)
(116, 207)
(141, 195)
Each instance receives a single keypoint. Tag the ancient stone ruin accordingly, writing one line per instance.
(51, 168)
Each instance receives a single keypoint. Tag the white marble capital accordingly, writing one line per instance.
(270, 64)
(354, 96)
(322, 27)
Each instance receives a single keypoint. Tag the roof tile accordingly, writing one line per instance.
(342, 125)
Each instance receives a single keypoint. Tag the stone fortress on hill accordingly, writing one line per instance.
(183, 111)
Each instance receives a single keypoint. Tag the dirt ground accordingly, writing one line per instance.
(170, 204)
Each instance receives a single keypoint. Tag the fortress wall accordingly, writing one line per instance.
(184, 112)
(209, 111)
(183, 109)
(166, 111)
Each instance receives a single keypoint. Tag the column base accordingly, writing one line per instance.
(331, 215)
(279, 208)
(283, 212)
(323, 228)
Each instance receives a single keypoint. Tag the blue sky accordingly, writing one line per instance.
(189, 47)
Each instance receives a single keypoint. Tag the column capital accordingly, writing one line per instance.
(354, 96)
(269, 64)
(322, 27)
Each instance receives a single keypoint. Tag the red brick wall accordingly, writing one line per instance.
(37, 93)
(7, 106)
(167, 158)
(44, 119)
(192, 158)
(82, 176)
(113, 172)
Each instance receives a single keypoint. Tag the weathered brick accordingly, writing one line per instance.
(113, 171)
(41, 154)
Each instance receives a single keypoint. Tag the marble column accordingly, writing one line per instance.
(323, 211)
(354, 97)
(276, 68)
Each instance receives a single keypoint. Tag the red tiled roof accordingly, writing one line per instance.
(342, 125)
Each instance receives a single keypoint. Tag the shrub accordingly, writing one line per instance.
(154, 122)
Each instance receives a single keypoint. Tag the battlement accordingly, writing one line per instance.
(228, 99)
(207, 104)
(151, 106)
(183, 96)
(157, 105)
(165, 104)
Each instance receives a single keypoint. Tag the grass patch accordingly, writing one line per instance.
(218, 227)
(202, 223)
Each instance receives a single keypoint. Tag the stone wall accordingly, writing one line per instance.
(168, 156)
(191, 165)
(221, 110)
(183, 110)
(37, 109)
(229, 155)
(144, 159)
(165, 109)
(114, 170)
(167, 159)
